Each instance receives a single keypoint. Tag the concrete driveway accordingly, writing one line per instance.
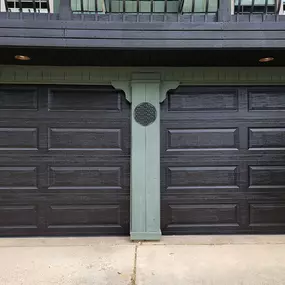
(191, 260)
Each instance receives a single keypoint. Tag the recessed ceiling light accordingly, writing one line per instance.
(22, 57)
(266, 59)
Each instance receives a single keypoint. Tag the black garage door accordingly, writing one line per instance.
(64, 160)
(223, 160)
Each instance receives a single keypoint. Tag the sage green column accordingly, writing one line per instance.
(145, 154)
(145, 161)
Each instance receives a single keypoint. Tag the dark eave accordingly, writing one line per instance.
(90, 34)
(145, 57)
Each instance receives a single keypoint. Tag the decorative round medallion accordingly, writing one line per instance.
(145, 114)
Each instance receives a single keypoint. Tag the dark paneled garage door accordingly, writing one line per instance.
(223, 160)
(64, 160)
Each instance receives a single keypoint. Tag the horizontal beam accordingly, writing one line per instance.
(141, 35)
(144, 26)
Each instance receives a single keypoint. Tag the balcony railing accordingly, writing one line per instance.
(114, 6)
(258, 6)
(140, 10)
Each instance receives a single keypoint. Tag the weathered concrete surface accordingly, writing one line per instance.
(211, 264)
(178, 260)
(221, 239)
(65, 241)
(100, 264)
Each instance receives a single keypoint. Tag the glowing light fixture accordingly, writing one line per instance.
(22, 57)
(266, 59)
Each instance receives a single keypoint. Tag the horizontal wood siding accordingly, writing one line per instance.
(142, 35)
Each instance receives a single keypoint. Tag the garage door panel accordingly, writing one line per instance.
(203, 100)
(18, 178)
(83, 99)
(64, 219)
(190, 137)
(202, 139)
(209, 216)
(211, 160)
(202, 177)
(62, 102)
(87, 139)
(267, 139)
(89, 214)
(270, 99)
(267, 177)
(18, 216)
(65, 160)
(18, 98)
(64, 214)
(83, 216)
(66, 137)
(267, 214)
(18, 139)
(96, 178)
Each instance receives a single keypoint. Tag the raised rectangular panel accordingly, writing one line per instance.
(266, 100)
(18, 216)
(201, 177)
(18, 178)
(18, 139)
(202, 139)
(97, 178)
(204, 215)
(267, 214)
(18, 99)
(267, 139)
(84, 100)
(267, 177)
(202, 100)
(84, 139)
(84, 216)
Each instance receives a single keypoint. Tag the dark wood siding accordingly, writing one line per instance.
(64, 155)
(142, 35)
(223, 160)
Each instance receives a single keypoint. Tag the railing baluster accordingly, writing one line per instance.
(20, 5)
(278, 7)
(207, 7)
(252, 6)
(165, 6)
(266, 7)
(6, 6)
(96, 6)
(48, 6)
(151, 6)
(34, 6)
(138, 6)
(124, 6)
(81, 6)
(110, 6)
(239, 6)
(193, 6)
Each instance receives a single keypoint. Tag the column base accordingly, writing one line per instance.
(155, 236)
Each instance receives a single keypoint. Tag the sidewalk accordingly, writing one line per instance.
(191, 260)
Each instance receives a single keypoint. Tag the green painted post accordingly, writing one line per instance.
(145, 154)
(145, 162)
